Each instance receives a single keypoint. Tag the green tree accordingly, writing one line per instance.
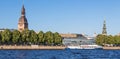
(57, 38)
(33, 37)
(25, 36)
(6, 36)
(49, 38)
(99, 40)
(16, 36)
(41, 39)
(110, 39)
(0, 36)
(105, 39)
(117, 40)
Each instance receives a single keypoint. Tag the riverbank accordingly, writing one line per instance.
(111, 48)
(33, 47)
(46, 47)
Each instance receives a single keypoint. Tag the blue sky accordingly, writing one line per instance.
(63, 16)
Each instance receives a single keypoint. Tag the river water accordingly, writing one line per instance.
(60, 54)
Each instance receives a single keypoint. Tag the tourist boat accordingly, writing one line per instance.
(85, 47)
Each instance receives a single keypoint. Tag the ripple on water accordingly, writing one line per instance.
(59, 54)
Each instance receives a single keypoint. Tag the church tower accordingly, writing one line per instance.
(22, 23)
(104, 32)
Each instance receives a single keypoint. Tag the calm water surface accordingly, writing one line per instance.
(59, 54)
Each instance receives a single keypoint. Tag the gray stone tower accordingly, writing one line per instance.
(104, 32)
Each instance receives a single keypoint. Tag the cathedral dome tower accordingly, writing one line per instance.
(22, 23)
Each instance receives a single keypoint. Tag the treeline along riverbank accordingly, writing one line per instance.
(29, 37)
(108, 40)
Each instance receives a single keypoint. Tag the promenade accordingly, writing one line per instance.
(33, 47)
(111, 48)
(46, 47)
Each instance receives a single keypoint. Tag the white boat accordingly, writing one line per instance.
(85, 47)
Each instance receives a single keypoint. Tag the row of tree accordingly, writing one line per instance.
(108, 39)
(28, 37)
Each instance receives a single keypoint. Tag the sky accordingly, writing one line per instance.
(63, 16)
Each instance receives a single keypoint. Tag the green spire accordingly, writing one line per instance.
(104, 32)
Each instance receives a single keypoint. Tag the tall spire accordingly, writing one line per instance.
(104, 32)
(23, 11)
(22, 23)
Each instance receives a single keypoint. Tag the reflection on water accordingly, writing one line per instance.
(59, 54)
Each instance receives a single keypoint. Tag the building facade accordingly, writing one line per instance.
(77, 39)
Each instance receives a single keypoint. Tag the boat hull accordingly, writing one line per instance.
(85, 47)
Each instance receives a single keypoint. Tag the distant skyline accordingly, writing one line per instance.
(63, 16)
